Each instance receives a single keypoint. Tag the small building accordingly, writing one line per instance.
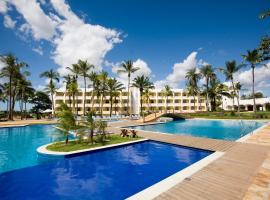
(245, 104)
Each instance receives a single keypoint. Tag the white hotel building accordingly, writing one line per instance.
(178, 102)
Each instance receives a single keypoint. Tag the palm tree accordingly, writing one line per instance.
(128, 68)
(66, 120)
(90, 124)
(93, 77)
(216, 91)
(103, 78)
(84, 69)
(114, 86)
(52, 76)
(67, 81)
(253, 57)
(73, 90)
(192, 83)
(75, 70)
(166, 92)
(229, 70)
(11, 70)
(207, 72)
(142, 83)
(146, 96)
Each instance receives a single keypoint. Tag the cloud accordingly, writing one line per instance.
(3, 6)
(180, 69)
(8, 22)
(144, 69)
(38, 50)
(41, 25)
(70, 37)
(262, 81)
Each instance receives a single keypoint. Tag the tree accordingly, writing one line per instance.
(193, 78)
(207, 72)
(146, 96)
(166, 92)
(67, 81)
(40, 101)
(11, 70)
(229, 70)
(216, 91)
(73, 90)
(253, 57)
(114, 86)
(91, 125)
(142, 83)
(84, 69)
(51, 87)
(129, 69)
(93, 77)
(103, 78)
(66, 120)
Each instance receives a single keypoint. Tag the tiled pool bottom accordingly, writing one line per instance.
(115, 173)
(215, 129)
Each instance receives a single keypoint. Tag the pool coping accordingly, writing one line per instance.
(14, 126)
(241, 139)
(43, 151)
(167, 183)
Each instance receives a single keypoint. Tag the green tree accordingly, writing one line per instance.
(207, 72)
(253, 58)
(51, 87)
(229, 70)
(129, 69)
(84, 68)
(114, 86)
(91, 125)
(40, 101)
(66, 120)
(73, 91)
(167, 92)
(103, 87)
(11, 71)
(193, 78)
(93, 77)
(142, 83)
(67, 81)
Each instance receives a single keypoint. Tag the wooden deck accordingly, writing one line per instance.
(238, 174)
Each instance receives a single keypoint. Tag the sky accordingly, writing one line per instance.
(163, 38)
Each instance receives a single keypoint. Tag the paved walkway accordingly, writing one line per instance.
(26, 122)
(243, 172)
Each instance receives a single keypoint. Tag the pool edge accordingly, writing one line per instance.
(169, 182)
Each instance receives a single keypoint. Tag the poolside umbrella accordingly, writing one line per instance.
(47, 111)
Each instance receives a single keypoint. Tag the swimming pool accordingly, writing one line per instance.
(216, 129)
(18, 145)
(115, 173)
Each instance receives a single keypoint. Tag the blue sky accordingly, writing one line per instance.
(158, 35)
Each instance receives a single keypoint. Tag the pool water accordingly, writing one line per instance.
(115, 173)
(216, 129)
(18, 145)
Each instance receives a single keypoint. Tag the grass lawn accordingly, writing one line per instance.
(73, 145)
(225, 115)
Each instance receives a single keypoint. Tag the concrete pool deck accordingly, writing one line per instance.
(26, 122)
(243, 172)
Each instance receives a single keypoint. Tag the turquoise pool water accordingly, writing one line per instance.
(18, 145)
(216, 129)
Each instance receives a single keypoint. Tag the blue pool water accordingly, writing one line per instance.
(115, 173)
(216, 129)
(18, 145)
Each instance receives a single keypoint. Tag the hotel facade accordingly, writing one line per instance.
(177, 103)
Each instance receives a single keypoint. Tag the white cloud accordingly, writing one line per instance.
(38, 50)
(42, 26)
(179, 71)
(262, 78)
(3, 6)
(144, 69)
(70, 36)
(8, 22)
